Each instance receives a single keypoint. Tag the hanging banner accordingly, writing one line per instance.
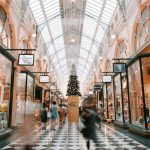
(44, 79)
(26, 59)
(119, 67)
(106, 79)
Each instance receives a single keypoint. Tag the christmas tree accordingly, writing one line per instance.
(73, 83)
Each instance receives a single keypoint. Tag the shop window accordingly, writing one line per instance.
(146, 78)
(20, 96)
(5, 31)
(142, 33)
(118, 99)
(135, 92)
(25, 98)
(5, 83)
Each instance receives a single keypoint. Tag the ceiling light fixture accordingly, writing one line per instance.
(113, 36)
(101, 58)
(33, 35)
(72, 40)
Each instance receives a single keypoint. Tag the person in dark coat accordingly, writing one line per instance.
(89, 119)
(43, 116)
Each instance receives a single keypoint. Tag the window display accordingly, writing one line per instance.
(136, 101)
(25, 97)
(20, 90)
(146, 78)
(5, 82)
(108, 104)
(125, 97)
(118, 98)
(121, 98)
(47, 98)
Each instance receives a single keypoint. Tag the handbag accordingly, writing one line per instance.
(48, 115)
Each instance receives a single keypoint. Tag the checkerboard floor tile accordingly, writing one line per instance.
(69, 138)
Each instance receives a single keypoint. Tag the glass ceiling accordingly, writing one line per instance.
(96, 18)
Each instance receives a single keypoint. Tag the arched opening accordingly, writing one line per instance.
(142, 31)
(5, 30)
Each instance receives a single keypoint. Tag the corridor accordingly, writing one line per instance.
(69, 138)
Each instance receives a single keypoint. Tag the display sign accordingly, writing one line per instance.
(90, 92)
(44, 79)
(106, 79)
(53, 87)
(26, 59)
(119, 67)
(97, 86)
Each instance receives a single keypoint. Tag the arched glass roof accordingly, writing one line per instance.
(72, 31)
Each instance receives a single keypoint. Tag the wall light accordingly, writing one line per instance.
(33, 35)
(72, 40)
(113, 36)
(101, 58)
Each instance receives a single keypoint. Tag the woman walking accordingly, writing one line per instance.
(43, 116)
(54, 115)
(89, 131)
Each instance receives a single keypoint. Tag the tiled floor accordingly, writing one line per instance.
(69, 138)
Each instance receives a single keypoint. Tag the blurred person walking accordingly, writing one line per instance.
(89, 118)
(54, 115)
(62, 115)
(43, 116)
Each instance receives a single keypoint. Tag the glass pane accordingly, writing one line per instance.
(110, 102)
(135, 93)
(29, 99)
(125, 98)
(5, 83)
(146, 77)
(105, 102)
(20, 96)
(118, 98)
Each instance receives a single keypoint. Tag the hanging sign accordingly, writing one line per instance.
(97, 86)
(91, 92)
(53, 87)
(26, 59)
(106, 79)
(44, 79)
(119, 67)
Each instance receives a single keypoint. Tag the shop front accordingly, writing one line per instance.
(6, 88)
(121, 100)
(139, 93)
(24, 97)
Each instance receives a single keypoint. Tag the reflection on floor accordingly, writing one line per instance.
(69, 138)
